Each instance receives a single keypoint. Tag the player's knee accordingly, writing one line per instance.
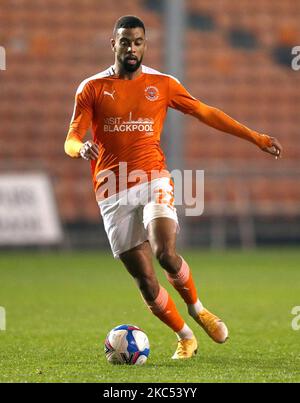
(166, 258)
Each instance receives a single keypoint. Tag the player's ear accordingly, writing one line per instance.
(113, 44)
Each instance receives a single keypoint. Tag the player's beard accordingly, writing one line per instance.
(131, 68)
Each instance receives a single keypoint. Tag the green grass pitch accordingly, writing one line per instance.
(60, 306)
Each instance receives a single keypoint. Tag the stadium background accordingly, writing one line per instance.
(236, 55)
(60, 304)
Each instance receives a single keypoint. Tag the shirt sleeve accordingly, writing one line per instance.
(81, 119)
(182, 100)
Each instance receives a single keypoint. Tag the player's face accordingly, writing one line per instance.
(129, 46)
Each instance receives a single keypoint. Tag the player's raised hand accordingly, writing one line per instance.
(89, 151)
(275, 148)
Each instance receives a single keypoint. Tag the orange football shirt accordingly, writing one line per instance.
(127, 119)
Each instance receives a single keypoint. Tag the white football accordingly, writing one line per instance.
(127, 344)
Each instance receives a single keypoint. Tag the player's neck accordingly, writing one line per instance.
(125, 75)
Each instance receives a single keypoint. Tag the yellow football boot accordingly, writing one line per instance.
(186, 348)
(213, 326)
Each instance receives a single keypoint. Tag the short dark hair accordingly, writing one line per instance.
(128, 21)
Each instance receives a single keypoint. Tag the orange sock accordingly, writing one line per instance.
(164, 308)
(184, 283)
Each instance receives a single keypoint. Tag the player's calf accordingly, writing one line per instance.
(183, 282)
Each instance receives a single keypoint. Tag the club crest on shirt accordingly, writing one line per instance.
(151, 93)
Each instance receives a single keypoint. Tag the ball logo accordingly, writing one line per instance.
(151, 93)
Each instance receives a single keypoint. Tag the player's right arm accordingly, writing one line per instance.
(80, 123)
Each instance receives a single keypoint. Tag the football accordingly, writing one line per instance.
(126, 344)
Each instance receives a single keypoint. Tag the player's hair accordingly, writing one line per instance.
(128, 21)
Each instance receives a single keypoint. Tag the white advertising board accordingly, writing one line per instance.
(28, 214)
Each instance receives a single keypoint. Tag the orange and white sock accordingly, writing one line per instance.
(165, 309)
(183, 282)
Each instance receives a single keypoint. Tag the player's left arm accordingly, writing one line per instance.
(179, 98)
(221, 121)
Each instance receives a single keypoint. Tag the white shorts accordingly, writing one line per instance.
(127, 214)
